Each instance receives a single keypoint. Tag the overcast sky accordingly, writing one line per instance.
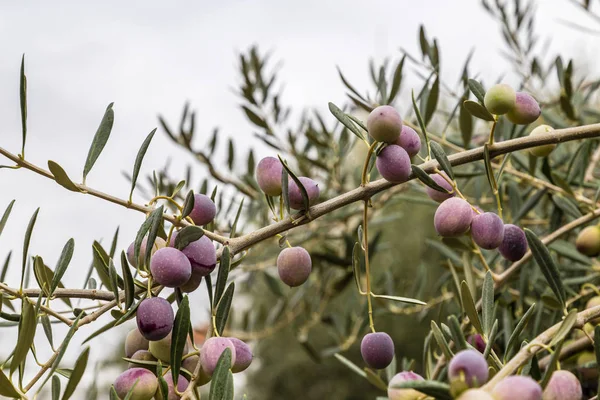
(149, 57)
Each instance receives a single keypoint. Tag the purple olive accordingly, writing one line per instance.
(377, 349)
(453, 217)
(409, 140)
(514, 244)
(243, 355)
(487, 230)
(393, 164)
(204, 210)
(470, 366)
(517, 387)
(295, 196)
(201, 253)
(563, 385)
(294, 266)
(170, 267)
(135, 341)
(212, 350)
(159, 243)
(477, 341)
(404, 394)
(436, 195)
(268, 176)
(384, 124)
(145, 388)
(154, 318)
(526, 110)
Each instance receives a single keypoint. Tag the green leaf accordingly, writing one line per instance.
(47, 329)
(43, 275)
(103, 329)
(396, 81)
(55, 387)
(565, 328)
(440, 156)
(441, 340)
(28, 233)
(223, 308)
(514, 337)
(285, 191)
(224, 265)
(27, 327)
(350, 365)
(375, 380)
(255, 119)
(231, 155)
(7, 388)
(100, 139)
(5, 218)
(552, 365)
(188, 204)
(435, 389)
(163, 386)
(432, 101)
(221, 387)
(490, 340)
(477, 110)
(188, 235)
(100, 263)
(23, 103)
(345, 120)
(138, 160)
(303, 193)
(155, 222)
(426, 179)
(113, 394)
(62, 264)
(465, 121)
(420, 120)
(597, 348)
(181, 327)
(489, 171)
(469, 307)
(546, 263)
(457, 335)
(235, 221)
(77, 374)
(487, 304)
(399, 299)
(114, 278)
(127, 281)
(477, 89)
(61, 177)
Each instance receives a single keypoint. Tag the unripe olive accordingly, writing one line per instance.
(393, 164)
(514, 244)
(159, 243)
(243, 355)
(500, 99)
(409, 140)
(384, 124)
(294, 266)
(143, 355)
(487, 230)
(436, 195)
(154, 318)
(475, 394)
(161, 349)
(204, 210)
(588, 241)
(182, 384)
(135, 341)
(469, 365)
(563, 385)
(544, 150)
(170, 267)
(145, 388)
(517, 387)
(526, 110)
(295, 196)
(212, 350)
(268, 176)
(453, 217)
(404, 394)
(201, 253)
(377, 349)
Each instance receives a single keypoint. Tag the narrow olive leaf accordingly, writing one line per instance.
(222, 378)
(209, 288)
(375, 380)
(61, 177)
(465, 121)
(432, 101)
(552, 365)
(55, 387)
(188, 235)
(224, 265)
(5, 218)
(138, 160)
(113, 394)
(477, 89)
(469, 307)
(546, 263)
(487, 303)
(435, 389)
(348, 85)
(156, 221)
(303, 192)
(77, 374)
(114, 278)
(181, 327)
(163, 386)
(100, 139)
(350, 365)
(477, 110)
(223, 308)
(28, 233)
(188, 204)
(127, 281)
(457, 336)
(489, 171)
(442, 158)
(420, 120)
(62, 264)
(426, 179)
(129, 395)
(23, 103)
(137, 243)
(7, 388)
(399, 299)
(285, 191)
(490, 340)
(345, 120)
(235, 221)
(396, 81)
(441, 340)
(47, 329)
(254, 118)
(356, 255)
(565, 328)
(42, 275)
(100, 263)
(27, 327)
(101, 330)
(514, 337)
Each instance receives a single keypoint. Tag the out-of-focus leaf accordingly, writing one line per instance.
(469, 307)
(303, 193)
(487, 304)
(345, 120)
(7, 388)
(432, 101)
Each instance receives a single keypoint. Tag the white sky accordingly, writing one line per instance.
(149, 57)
